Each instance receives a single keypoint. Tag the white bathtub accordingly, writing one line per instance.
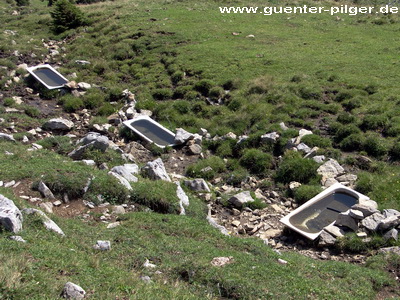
(48, 76)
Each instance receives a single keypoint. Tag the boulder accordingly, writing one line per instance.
(326, 239)
(155, 170)
(283, 126)
(351, 178)
(183, 198)
(392, 234)
(367, 210)
(356, 214)
(10, 215)
(197, 185)
(344, 219)
(127, 171)
(303, 148)
(270, 137)
(122, 180)
(334, 230)
(390, 212)
(372, 222)
(182, 136)
(195, 149)
(73, 291)
(330, 169)
(47, 222)
(58, 124)
(240, 199)
(389, 223)
(7, 137)
(101, 142)
(84, 86)
(45, 191)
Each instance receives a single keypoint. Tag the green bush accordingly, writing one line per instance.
(67, 16)
(305, 192)
(344, 131)
(204, 86)
(109, 188)
(346, 118)
(365, 183)
(296, 168)
(216, 92)
(354, 142)
(313, 140)
(158, 195)
(106, 109)
(376, 146)
(8, 102)
(395, 151)
(216, 164)
(111, 157)
(162, 94)
(22, 2)
(31, 111)
(60, 144)
(63, 182)
(373, 122)
(72, 104)
(237, 176)
(225, 148)
(353, 103)
(256, 161)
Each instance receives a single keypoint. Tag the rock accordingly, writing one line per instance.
(9, 184)
(294, 185)
(283, 126)
(270, 233)
(277, 209)
(235, 223)
(356, 214)
(195, 149)
(118, 210)
(313, 151)
(58, 124)
(203, 131)
(82, 62)
(395, 250)
(47, 207)
(155, 170)
(330, 169)
(221, 261)
(7, 137)
(10, 215)
(198, 185)
(239, 199)
(182, 136)
(282, 261)
(127, 171)
(113, 225)
(146, 279)
(17, 238)
(392, 234)
(319, 158)
(22, 67)
(148, 265)
(334, 230)
(270, 137)
(344, 219)
(121, 180)
(73, 291)
(84, 86)
(329, 182)
(389, 223)
(229, 135)
(47, 222)
(304, 132)
(303, 148)
(372, 222)
(101, 142)
(102, 245)
(351, 178)
(214, 223)
(88, 162)
(390, 212)
(45, 191)
(365, 209)
(326, 239)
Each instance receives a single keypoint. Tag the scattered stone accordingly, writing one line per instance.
(294, 185)
(239, 199)
(229, 135)
(334, 230)
(326, 239)
(122, 180)
(303, 148)
(392, 234)
(84, 86)
(270, 233)
(372, 222)
(198, 185)
(214, 223)
(389, 223)
(47, 207)
(146, 279)
(277, 209)
(10, 215)
(235, 223)
(88, 162)
(155, 170)
(149, 265)
(319, 158)
(82, 62)
(344, 219)
(329, 182)
(351, 178)
(270, 137)
(118, 210)
(182, 136)
(58, 124)
(330, 169)
(7, 137)
(282, 261)
(47, 222)
(127, 171)
(45, 191)
(365, 209)
(113, 225)
(102, 245)
(183, 198)
(195, 149)
(73, 291)
(390, 213)
(9, 184)
(17, 238)
(313, 151)
(283, 126)
(395, 250)
(221, 261)
(356, 214)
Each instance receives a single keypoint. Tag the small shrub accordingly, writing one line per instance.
(346, 118)
(111, 157)
(354, 142)
(309, 92)
(225, 148)
(261, 85)
(162, 94)
(216, 92)
(256, 161)
(183, 107)
(69, 183)
(72, 104)
(158, 195)
(354, 103)
(177, 77)
(67, 16)
(207, 168)
(31, 111)
(344, 131)
(373, 122)
(296, 168)
(106, 109)
(351, 242)
(237, 176)
(8, 102)
(365, 183)
(376, 146)
(22, 2)
(232, 84)
(109, 188)
(60, 144)
(204, 86)
(395, 151)
(313, 140)
(305, 192)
